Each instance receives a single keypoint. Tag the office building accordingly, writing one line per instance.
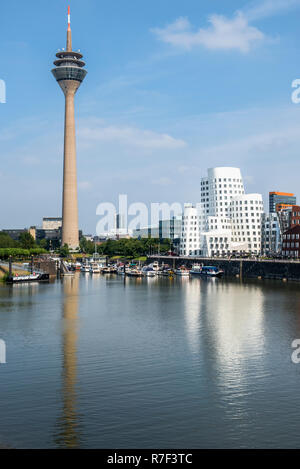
(52, 223)
(226, 220)
(271, 234)
(280, 200)
(291, 243)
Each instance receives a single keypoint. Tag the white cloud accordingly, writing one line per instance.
(162, 181)
(262, 9)
(31, 160)
(130, 136)
(222, 34)
(85, 185)
(259, 143)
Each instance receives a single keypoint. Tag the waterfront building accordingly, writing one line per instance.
(53, 236)
(170, 229)
(291, 242)
(280, 200)
(166, 229)
(119, 231)
(15, 233)
(271, 234)
(69, 73)
(217, 243)
(119, 221)
(218, 188)
(37, 234)
(52, 223)
(246, 214)
(225, 221)
(190, 241)
(285, 217)
(146, 232)
(295, 215)
(89, 237)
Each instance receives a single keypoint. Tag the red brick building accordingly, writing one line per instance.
(291, 242)
(295, 216)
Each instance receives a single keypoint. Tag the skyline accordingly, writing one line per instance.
(155, 110)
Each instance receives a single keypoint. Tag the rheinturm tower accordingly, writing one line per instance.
(69, 73)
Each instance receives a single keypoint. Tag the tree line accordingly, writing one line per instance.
(130, 248)
(24, 247)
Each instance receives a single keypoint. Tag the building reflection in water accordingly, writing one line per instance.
(192, 308)
(230, 317)
(68, 424)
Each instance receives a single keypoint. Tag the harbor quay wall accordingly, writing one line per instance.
(46, 266)
(244, 268)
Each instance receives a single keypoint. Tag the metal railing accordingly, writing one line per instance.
(233, 259)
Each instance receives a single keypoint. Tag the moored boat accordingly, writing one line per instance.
(134, 273)
(95, 269)
(85, 268)
(206, 271)
(108, 270)
(182, 271)
(148, 271)
(121, 269)
(28, 278)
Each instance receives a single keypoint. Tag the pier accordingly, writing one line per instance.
(242, 268)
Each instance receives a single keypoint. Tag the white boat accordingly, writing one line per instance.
(206, 271)
(148, 271)
(85, 268)
(95, 269)
(134, 272)
(182, 271)
(155, 267)
(28, 278)
(121, 270)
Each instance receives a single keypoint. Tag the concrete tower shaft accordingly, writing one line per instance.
(69, 73)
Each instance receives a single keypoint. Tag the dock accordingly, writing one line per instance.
(236, 267)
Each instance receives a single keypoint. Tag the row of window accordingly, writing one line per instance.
(290, 245)
(291, 236)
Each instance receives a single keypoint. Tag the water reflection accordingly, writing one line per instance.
(192, 307)
(68, 434)
(237, 336)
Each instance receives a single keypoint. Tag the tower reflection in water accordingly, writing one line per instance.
(68, 424)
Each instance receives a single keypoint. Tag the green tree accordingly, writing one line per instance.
(88, 247)
(44, 244)
(6, 241)
(26, 240)
(133, 247)
(64, 251)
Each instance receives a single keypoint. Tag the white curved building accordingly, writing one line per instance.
(227, 220)
(193, 221)
(218, 188)
(246, 217)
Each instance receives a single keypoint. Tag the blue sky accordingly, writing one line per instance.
(173, 88)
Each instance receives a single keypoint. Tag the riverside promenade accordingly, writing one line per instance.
(242, 268)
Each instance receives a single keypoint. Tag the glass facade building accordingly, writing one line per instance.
(280, 198)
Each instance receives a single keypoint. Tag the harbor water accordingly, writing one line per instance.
(112, 362)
